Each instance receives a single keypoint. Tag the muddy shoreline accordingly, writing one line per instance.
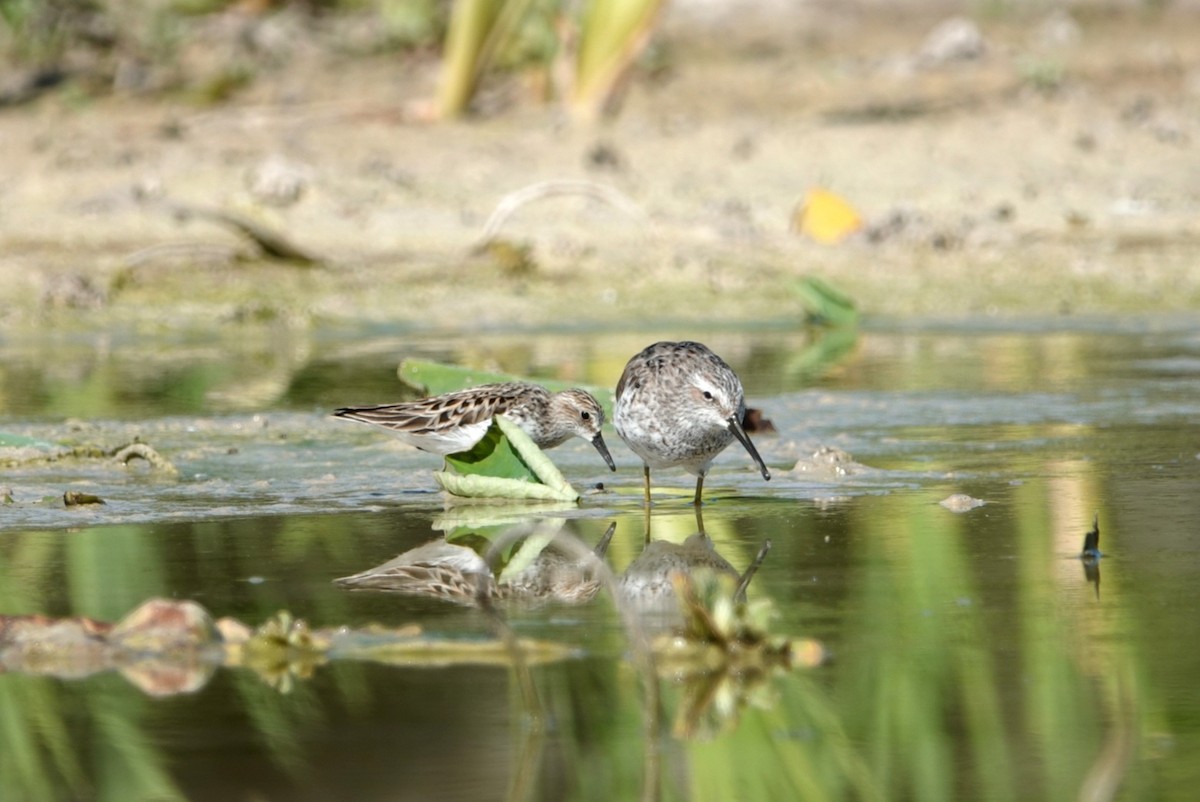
(1041, 178)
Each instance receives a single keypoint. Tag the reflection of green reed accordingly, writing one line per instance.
(917, 707)
(1056, 705)
(128, 764)
(37, 757)
(923, 688)
(1088, 704)
(927, 690)
(111, 570)
(104, 752)
(925, 669)
(795, 749)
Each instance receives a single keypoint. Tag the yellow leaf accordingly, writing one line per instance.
(826, 217)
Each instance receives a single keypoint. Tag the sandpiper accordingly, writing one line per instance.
(455, 422)
(457, 573)
(679, 404)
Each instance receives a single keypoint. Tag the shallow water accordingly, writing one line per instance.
(973, 658)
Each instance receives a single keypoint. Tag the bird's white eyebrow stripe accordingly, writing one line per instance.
(704, 384)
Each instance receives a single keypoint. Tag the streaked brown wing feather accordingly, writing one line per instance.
(438, 413)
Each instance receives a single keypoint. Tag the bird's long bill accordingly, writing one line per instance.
(598, 442)
(735, 426)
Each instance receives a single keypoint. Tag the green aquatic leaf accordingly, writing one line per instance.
(491, 487)
(505, 464)
(547, 472)
(493, 456)
(435, 378)
(825, 305)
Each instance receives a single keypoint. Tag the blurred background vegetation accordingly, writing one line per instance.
(577, 54)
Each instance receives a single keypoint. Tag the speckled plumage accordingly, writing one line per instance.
(457, 573)
(680, 405)
(455, 422)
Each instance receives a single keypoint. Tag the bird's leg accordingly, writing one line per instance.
(699, 489)
(646, 482)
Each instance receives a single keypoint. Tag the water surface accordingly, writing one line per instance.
(973, 656)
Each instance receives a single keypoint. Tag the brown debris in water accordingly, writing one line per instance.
(167, 647)
(76, 498)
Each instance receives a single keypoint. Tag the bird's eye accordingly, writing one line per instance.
(585, 415)
(707, 395)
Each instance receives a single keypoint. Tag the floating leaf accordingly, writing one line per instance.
(493, 456)
(492, 473)
(826, 217)
(491, 487)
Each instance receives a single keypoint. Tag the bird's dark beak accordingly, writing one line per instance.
(598, 442)
(735, 426)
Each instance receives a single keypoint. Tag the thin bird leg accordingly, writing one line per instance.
(699, 489)
(646, 482)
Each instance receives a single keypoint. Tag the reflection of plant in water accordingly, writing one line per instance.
(723, 655)
(282, 650)
(918, 708)
(45, 726)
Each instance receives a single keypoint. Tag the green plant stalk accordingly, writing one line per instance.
(479, 29)
(613, 35)
(471, 23)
